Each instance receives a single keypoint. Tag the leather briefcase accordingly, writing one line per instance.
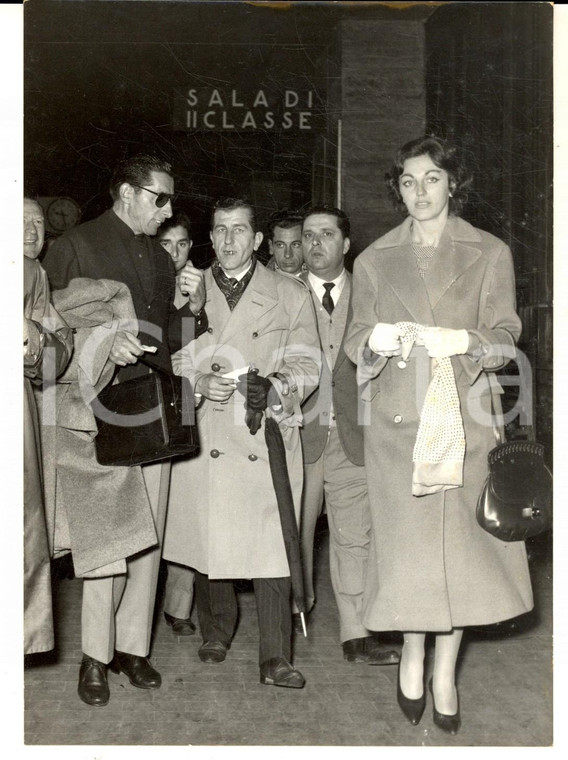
(146, 419)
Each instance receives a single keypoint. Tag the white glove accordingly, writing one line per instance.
(385, 340)
(441, 342)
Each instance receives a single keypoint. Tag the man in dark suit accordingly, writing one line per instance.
(120, 245)
(332, 440)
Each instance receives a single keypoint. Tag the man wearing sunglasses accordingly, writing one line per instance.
(121, 245)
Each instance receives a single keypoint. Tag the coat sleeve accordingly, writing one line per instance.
(50, 340)
(61, 263)
(184, 326)
(499, 325)
(301, 359)
(365, 307)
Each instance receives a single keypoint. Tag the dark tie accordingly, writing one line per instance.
(327, 300)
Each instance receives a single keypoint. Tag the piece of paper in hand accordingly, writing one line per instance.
(236, 373)
(150, 349)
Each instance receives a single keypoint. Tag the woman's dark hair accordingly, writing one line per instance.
(445, 156)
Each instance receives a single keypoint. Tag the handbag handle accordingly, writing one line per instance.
(499, 437)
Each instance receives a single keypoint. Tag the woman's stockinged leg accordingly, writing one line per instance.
(412, 665)
(444, 680)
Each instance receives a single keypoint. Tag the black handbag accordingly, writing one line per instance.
(146, 419)
(516, 500)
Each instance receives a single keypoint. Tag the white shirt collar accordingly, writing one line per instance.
(237, 277)
(317, 284)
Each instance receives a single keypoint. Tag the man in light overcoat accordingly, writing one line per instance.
(229, 526)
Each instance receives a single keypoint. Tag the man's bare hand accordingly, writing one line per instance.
(191, 283)
(215, 387)
(126, 349)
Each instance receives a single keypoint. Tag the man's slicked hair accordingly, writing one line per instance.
(137, 170)
(342, 219)
(285, 219)
(230, 204)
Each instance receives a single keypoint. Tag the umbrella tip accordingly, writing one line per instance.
(303, 619)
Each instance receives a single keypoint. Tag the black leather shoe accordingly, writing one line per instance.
(451, 724)
(212, 651)
(412, 708)
(278, 672)
(138, 670)
(297, 622)
(180, 626)
(93, 685)
(367, 650)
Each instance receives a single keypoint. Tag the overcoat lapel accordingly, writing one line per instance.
(450, 262)
(216, 306)
(397, 263)
(255, 302)
(398, 266)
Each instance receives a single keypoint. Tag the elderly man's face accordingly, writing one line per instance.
(234, 240)
(286, 247)
(34, 229)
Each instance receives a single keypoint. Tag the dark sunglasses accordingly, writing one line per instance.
(161, 198)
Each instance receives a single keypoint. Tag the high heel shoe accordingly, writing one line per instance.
(412, 708)
(449, 723)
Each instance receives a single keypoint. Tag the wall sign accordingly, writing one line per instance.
(236, 110)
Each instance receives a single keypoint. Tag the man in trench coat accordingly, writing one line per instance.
(229, 527)
(119, 245)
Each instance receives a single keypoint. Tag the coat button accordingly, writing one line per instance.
(253, 457)
(401, 364)
(214, 453)
(255, 335)
(333, 383)
(397, 418)
(215, 367)
(209, 329)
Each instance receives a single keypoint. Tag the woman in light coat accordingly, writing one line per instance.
(433, 319)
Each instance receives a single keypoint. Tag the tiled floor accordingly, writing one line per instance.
(505, 684)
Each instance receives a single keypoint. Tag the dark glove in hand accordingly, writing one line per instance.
(253, 420)
(258, 391)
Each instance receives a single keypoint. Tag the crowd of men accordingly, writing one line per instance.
(214, 517)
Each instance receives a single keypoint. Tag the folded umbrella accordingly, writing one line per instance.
(285, 500)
